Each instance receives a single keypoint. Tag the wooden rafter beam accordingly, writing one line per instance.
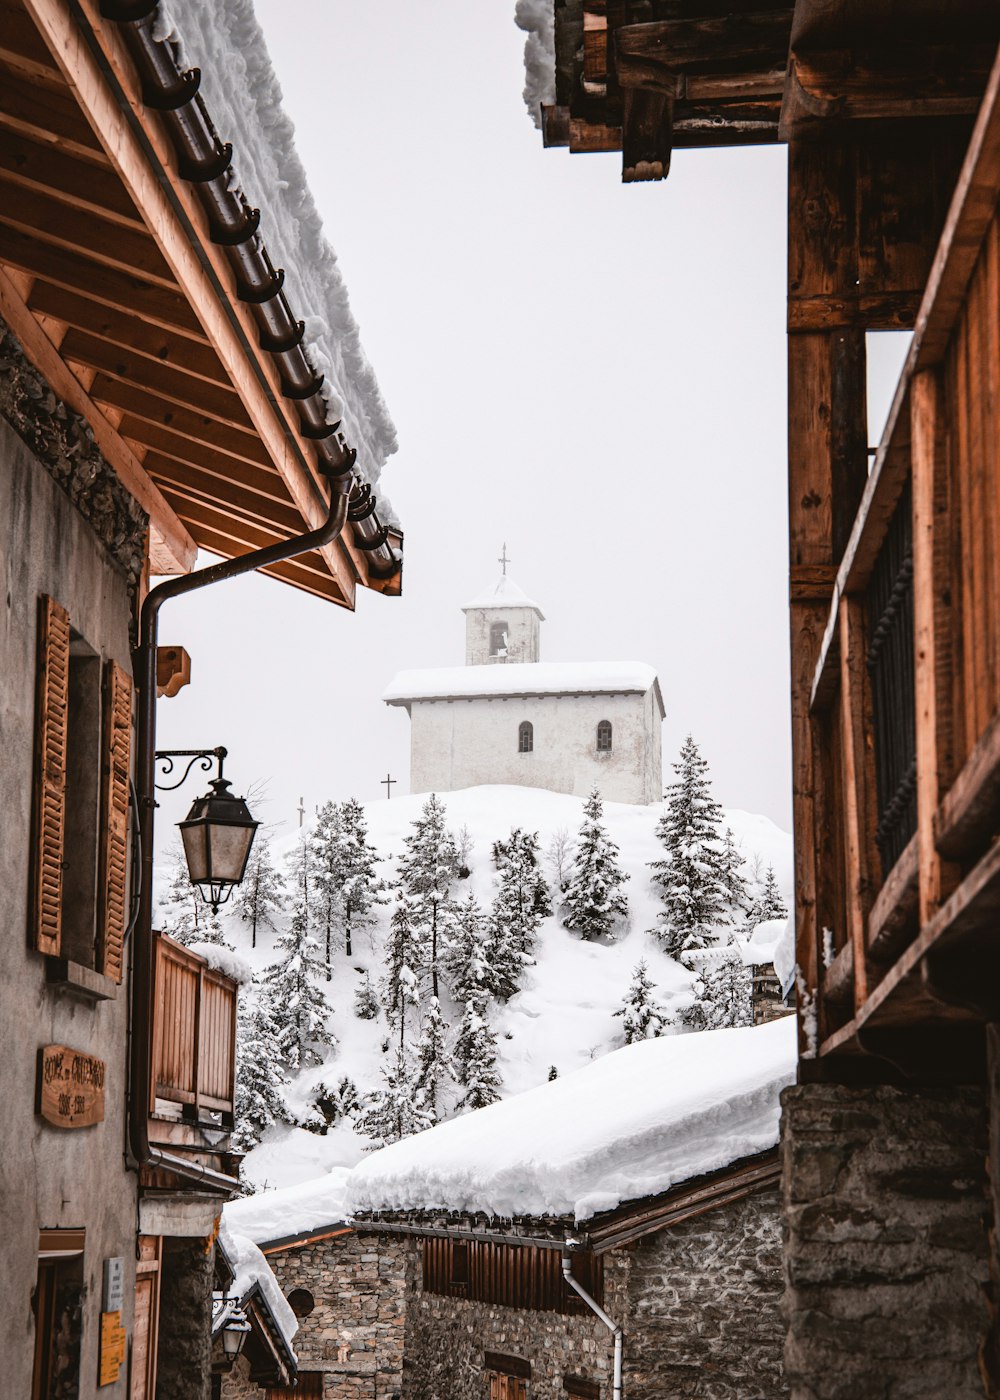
(172, 549)
(81, 185)
(44, 115)
(180, 228)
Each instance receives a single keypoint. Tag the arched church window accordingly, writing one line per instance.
(604, 736)
(498, 639)
(525, 737)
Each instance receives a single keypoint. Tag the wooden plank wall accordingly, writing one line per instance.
(194, 1059)
(512, 1276)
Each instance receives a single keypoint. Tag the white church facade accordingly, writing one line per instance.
(508, 717)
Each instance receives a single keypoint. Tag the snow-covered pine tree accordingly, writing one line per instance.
(390, 1113)
(694, 895)
(365, 1001)
(434, 1069)
(558, 853)
(361, 888)
(465, 958)
(300, 870)
(326, 870)
(643, 1018)
(522, 894)
(475, 1057)
(731, 866)
(402, 954)
(723, 990)
(426, 871)
(593, 901)
(767, 903)
(262, 893)
(294, 986)
(182, 912)
(259, 1075)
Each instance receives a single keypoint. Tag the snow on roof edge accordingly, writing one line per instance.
(537, 19)
(522, 678)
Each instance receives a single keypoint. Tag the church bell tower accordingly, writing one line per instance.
(502, 624)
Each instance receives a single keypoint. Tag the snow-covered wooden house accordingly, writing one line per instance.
(178, 370)
(508, 717)
(648, 1180)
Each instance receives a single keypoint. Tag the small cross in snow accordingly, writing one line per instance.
(387, 783)
(301, 809)
(504, 560)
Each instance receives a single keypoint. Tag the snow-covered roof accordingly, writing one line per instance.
(763, 942)
(244, 97)
(291, 1210)
(631, 1124)
(252, 1271)
(504, 594)
(522, 678)
(537, 19)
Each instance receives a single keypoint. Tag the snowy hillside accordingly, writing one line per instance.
(563, 1017)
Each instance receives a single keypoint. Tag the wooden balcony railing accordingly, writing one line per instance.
(905, 713)
(194, 1037)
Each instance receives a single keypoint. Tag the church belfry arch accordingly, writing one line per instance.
(498, 638)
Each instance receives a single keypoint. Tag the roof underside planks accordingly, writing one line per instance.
(111, 281)
(647, 76)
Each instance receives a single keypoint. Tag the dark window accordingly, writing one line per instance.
(525, 737)
(604, 736)
(498, 639)
(58, 1308)
(580, 1387)
(459, 1263)
(301, 1302)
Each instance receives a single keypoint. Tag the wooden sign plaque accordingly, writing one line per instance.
(70, 1087)
(112, 1352)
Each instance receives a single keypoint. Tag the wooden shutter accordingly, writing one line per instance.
(50, 776)
(112, 915)
(145, 1327)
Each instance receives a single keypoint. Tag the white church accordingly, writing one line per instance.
(506, 716)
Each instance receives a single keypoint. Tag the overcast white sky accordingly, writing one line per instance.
(593, 372)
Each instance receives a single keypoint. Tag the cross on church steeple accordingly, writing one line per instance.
(503, 560)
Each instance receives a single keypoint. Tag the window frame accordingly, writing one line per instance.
(526, 731)
(601, 746)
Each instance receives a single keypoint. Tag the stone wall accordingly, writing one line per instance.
(184, 1350)
(887, 1217)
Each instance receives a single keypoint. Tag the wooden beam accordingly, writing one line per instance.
(172, 550)
(229, 329)
(859, 817)
(79, 184)
(647, 135)
(968, 817)
(734, 42)
(44, 115)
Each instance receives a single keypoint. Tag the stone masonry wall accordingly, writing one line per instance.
(446, 1339)
(355, 1332)
(704, 1318)
(887, 1219)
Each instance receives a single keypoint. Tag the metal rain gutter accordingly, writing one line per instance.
(205, 161)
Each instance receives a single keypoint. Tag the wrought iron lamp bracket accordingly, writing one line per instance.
(164, 759)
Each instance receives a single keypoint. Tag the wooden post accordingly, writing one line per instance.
(933, 607)
(859, 803)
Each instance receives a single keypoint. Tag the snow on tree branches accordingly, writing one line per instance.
(262, 893)
(643, 1018)
(259, 1075)
(426, 872)
(475, 1057)
(294, 985)
(593, 903)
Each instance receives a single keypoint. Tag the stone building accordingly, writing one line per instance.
(891, 1182)
(449, 1283)
(155, 398)
(509, 717)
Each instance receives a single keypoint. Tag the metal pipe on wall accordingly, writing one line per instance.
(595, 1307)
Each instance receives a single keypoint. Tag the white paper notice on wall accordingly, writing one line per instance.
(114, 1285)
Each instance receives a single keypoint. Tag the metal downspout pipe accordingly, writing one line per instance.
(142, 1152)
(595, 1307)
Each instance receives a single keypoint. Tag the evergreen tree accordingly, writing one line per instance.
(328, 1105)
(642, 1016)
(767, 903)
(361, 889)
(475, 1057)
(552, 1074)
(390, 1112)
(300, 870)
(694, 894)
(326, 870)
(465, 958)
(434, 1067)
(365, 1000)
(262, 893)
(402, 953)
(294, 984)
(523, 896)
(427, 870)
(593, 900)
(731, 872)
(723, 990)
(259, 1075)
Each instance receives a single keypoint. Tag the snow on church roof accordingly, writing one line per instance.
(631, 1124)
(521, 679)
(504, 594)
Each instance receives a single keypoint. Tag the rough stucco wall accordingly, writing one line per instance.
(523, 635)
(50, 1177)
(358, 1285)
(446, 1339)
(886, 1257)
(462, 743)
(704, 1318)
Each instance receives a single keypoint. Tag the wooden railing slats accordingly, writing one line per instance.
(194, 1059)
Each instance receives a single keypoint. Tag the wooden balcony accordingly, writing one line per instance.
(192, 1085)
(905, 708)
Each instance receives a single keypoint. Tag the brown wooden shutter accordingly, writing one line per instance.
(112, 915)
(50, 775)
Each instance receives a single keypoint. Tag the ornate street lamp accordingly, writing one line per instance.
(218, 831)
